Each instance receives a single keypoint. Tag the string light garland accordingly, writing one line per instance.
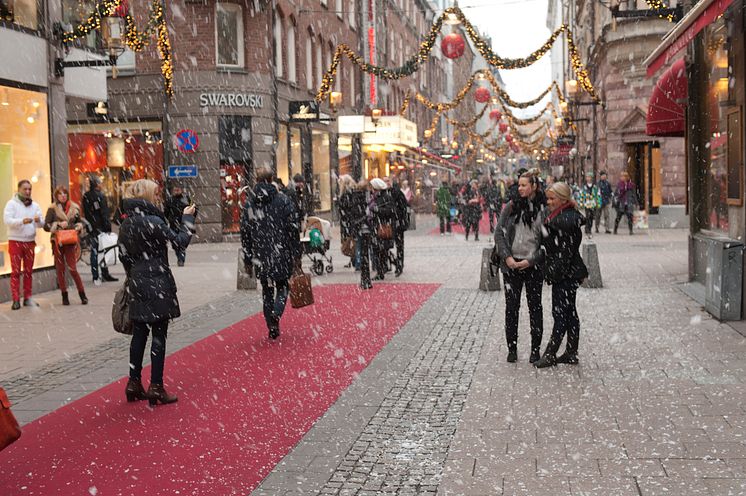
(135, 39)
(659, 5)
(413, 63)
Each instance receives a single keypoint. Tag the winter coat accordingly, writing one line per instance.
(174, 209)
(353, 207)
(401, 210)
(589, 197)
(269, 234)
(505, 235)
(56, 214)
(382, 208)
(561, 243)
(96, 212)
(472, 205)
(493, 198)
(626, 197)
(443, 202)
(144, 237)
(604, 188)
(13, 215)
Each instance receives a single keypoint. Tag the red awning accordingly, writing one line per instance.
(702, 14)
(666, 116)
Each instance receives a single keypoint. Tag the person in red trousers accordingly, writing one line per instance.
(22, 216)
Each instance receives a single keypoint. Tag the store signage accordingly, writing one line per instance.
(304, 111)
(231, 100)
(182, 171)
(187, 141)
(351, 124)
(390, 130)
(566, 140)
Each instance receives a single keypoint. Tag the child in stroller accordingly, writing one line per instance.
(316, 241)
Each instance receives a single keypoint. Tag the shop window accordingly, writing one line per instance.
(229, 38)
(352, 12)
(322, 193)
(24, 13)
(278, 45)
(309, 61)
(338, 8)
(344, 151)
(292, 69)
(295, 152)
(283, 165)
(24, 154)
(319, 62)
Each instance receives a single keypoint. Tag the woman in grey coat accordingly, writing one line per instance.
(518, 241)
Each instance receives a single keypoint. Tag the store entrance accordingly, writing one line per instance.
(644, 168)
(234, 189)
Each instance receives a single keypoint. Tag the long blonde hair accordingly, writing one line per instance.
(144, 189)
(346, 183)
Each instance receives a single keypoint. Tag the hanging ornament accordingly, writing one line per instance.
(482, 95)
(509, 138)
(495, 115)
(453, 45)
(503, 127)
(515, 148)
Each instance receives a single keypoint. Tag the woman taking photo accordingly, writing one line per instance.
(64, 215)
(564, 271)
(518, 241)
(144, 237)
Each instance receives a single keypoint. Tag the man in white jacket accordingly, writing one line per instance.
(23, 217)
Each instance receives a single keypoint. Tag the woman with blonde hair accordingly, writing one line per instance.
(64, 215)
(564, 270)
(144, 237)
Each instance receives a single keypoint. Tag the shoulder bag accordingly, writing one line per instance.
(120, 311)
(66, 237)
(301, 292)
(10, 431)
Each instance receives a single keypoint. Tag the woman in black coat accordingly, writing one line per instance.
(564, 270)
(358, 225)
(144, 237)
(382, 213)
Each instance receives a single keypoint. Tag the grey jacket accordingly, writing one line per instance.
(505, 234)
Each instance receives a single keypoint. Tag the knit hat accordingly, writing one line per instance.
(378, 184)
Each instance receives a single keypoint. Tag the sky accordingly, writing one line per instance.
(517, 28)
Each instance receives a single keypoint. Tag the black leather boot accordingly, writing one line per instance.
(65, 298)
(83, 297)
(135, 391)
(156, 394)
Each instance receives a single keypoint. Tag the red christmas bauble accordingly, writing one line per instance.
(453, 45)
(482, 95)
(515, 148)
(495, 115)
(509, 138)
(503, 127)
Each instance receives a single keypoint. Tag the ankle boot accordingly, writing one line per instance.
(65, 299)
(83, 297)
(135, 391)
(157, 394)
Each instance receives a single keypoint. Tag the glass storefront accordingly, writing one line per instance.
(322, 177)
(24, 154)
(283, 166)
(716, 110)
(24, 13)
(344, 150)
(236, 168)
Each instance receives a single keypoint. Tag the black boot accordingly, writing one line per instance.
(512, 355)
(65, 299)
(616, 226)
(535, 356)
(156, 394)
(16, 305)
(107, 277)
(548, 360)
(274, 328)
(135, 391)
(567, 358)
(83, 297)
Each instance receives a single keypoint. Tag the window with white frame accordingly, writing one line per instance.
(353, 78)
(292, 76)
(351, 9)
(340, 10)
(278, 46)
(229, 47)
(319, 62)
(309, 61)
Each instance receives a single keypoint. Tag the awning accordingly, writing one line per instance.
(666, 116)
(702, 14)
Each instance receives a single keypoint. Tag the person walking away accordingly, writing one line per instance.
(144, 238)
(270, 242)
(360, 226)
(22, 215)
(382, 212)
(604, 189)
(590, 201)
(473, 208)
(626, 201)
(400, 223)
(296, 191)
(518, 240)
(346, 187)
(564, 270)
(64, 214)
(174, 208)
(443, 201)
(493, 201)
(96, 212)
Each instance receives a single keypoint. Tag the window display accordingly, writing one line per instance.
(24, 154)
(322, 193)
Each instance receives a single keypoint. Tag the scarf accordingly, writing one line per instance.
(25, 200)
(559, 210)
(528, 209)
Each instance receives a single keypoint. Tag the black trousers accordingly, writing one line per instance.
(515, 280)
(445, 223)
(492, 215)
(274, 300)
(619, 215)
(590, 214)
(399, 244)
(364, 259)
(140, 333)
(565, 316)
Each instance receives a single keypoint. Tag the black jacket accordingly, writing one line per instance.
(96, 212)
(505, 235)
(383, 209)
(174, 208)
(561, 243)
(401, 209)
(269, 233)
(143, 243)
(353, 207)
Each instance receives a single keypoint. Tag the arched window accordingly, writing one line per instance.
(292, 76)
(278, 45)
(319, 61)
(309, 60)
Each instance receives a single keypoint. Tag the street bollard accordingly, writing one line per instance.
(489, 275)
(244, 280)
(590, 257)
(412, 219)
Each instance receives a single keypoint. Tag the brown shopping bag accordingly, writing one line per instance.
(301, 293)
(10, 431)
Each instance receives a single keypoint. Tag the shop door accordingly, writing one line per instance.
(233, 193)
(644, 168)
(236, 168)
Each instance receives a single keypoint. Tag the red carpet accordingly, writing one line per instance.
(484, 226)
(244, 402)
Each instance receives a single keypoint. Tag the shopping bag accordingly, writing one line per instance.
(348, 247)
(301, 293)
(107, 245)
(10, 431)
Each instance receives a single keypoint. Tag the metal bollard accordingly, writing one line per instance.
(590, 257)
(412, 219)
(489, 275)
(244, 280)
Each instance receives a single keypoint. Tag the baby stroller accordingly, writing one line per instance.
(316, 241)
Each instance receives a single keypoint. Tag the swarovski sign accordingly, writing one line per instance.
(231, 100)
